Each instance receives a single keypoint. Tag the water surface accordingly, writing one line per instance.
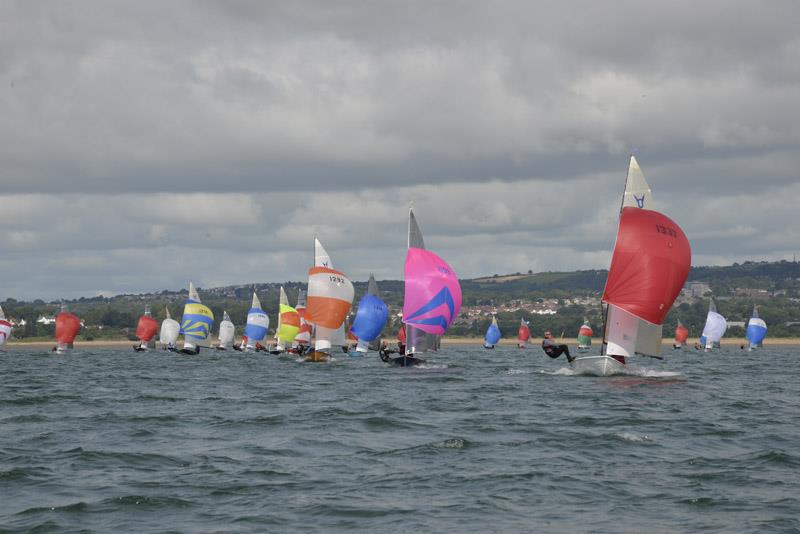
(480, 441)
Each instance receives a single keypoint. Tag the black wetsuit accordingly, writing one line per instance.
(399, 361)
(554, 350)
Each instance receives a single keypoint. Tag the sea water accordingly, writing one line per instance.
(502, 440)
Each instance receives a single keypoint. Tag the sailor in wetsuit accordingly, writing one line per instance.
(401, 361)
(553, 349)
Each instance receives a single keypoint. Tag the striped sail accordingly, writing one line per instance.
(226, 331)
(288, 322)
(370, 318)
(585, 335)
(303, 336)
(197, 321)
(756, 330)
(170, 330)
(257, 323)
(5, 328)
(330, 295)
(432, 294)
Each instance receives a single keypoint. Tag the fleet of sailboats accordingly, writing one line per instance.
(649, 266)
(714, 328)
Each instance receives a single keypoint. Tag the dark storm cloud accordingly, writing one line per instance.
(508, 123)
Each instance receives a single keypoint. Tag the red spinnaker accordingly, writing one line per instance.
(524, 333)
(650, 264)
(67, 327)
(146, 328)
(585, 331)
(681, 334)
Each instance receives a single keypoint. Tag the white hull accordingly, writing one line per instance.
(597, 366)
(584, 348)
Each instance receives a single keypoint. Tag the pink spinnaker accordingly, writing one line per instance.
(432, 292)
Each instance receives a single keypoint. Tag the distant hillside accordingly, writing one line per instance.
(736, 288)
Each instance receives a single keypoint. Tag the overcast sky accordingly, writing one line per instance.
(143, 144)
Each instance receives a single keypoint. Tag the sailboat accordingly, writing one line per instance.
(170, 329)
(330, 296)
(5, 328)
(714, 328)
(523, 334)
(227, 331)
(196, 323)
(370, 319)
(493, 334)
(255, 331)
(585, 336)
(756, 330)
(431, 298)
(288, 324)
(303, 337)
(649, 266)
(67, 327)
(681, 335)
(146, 330)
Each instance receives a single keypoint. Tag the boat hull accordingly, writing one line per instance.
(597, 366)
(317, 356)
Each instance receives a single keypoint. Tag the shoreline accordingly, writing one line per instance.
(455, 340)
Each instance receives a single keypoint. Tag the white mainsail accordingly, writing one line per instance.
(637, 191)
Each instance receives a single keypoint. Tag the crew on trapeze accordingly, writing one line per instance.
(553, 349)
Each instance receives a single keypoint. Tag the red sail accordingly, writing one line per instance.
(524, 333)
(681, 334)
(146, 328)
(585, 331)
(650, 264)
(67, 326)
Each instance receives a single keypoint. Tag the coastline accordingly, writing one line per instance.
(454, 340)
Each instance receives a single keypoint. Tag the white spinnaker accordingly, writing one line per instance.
(226, 331)
(170, 329)
(627, 334)
(637, 191)
(715, 328)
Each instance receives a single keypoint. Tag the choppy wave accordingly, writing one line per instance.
(474, 441)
